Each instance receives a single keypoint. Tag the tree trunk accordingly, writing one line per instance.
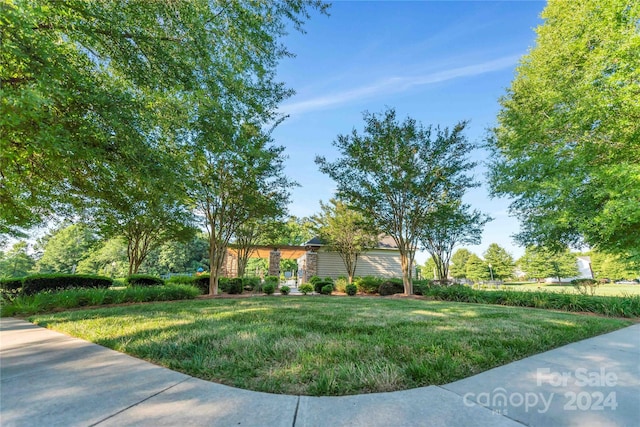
(406, 274)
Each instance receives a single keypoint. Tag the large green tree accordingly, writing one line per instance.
(477, 269)
(451, 225)
(567, 144)
(500, 260)
(540, 263)
(89, 89)
(398, 174)
(65, 247)
(458, 266)
(345, 231)
(16, 262)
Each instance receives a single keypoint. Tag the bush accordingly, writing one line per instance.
(328, 279)
(143, 280)
(321, 284)
(235, 286)
(45, 282)
(421, 287)
(269, 288)
(327, 289)
(9, 289)
(223, 284)
(251, 283)
(202, 283)
(368, 284)
(340, 284)
(314, 279)
(181, 280)
(391, 287)
(285, 290)
(305, 288)
(351, 289)
(71, 298)
(272, 279)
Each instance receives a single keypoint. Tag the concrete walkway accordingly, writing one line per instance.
(50, 379)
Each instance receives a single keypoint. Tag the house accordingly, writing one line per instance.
(320, 260)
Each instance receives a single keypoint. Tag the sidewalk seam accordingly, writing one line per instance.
(138, 403)
(295, 414)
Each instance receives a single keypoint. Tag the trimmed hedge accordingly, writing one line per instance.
(52, 282)
(609, 306)
(321, 284)
(327, 289)
(71, 298)
(368, 284)
(351, 289)
(285, 290)
(391, 287)
(235, 286)
(11, 284)
(269, 288)
(143, 280)
(251, 283)
(306, 288)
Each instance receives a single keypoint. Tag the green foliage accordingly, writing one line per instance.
(391, 287)
(326, 289)
(235, 286)
(306, 288)
(251, 283)
(106, 257)
(340, 284)
(48, 301)
(351, 289)
(314, 279)
(181, 280)
(16, 262)
(459, 260)
(613, 267)
(368, 284)
(143, 280)
(540, 262)
(322, 283)
(344, 231)
(477, 269)
(49, 282)
(269, 288)
(500, 260)
(223, 284)
(421, 287)
(566, 145)
(65, 247)
(284, 290)
(609, 306)
(398, 173)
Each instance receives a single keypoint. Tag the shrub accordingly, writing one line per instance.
(284, 290)
(390, 287)
(250, 283)
(421, 287)
(223, 284)
(351, 289)
(327, 289)
(319, 285)
(143, 280)
(71, 298)
(340, 284)
(202, 283)
(305, 288)
(43, 282)
(368, 284)
(314, 279)
(10, 288)
(181, 280)
(235, 286)
(272, 279)
(269, 288)
(328, 279)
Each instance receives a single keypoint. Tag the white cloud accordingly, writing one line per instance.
(395, 85)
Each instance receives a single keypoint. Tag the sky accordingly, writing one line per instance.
(437, 62)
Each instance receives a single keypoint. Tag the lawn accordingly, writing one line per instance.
(327, 345)
(609, 289)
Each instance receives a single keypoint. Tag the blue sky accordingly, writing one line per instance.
(438, 62)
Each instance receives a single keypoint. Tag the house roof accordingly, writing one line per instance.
(384, 242)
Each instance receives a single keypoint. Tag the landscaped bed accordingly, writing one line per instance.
(328, 345)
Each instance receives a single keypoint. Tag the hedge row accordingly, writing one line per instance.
(49, 282)
(610, 306)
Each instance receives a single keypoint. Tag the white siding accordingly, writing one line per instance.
(378, 263)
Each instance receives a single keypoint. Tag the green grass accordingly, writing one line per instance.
(608, 289)
(327, 345)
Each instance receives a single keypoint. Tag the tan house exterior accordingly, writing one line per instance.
(383, 261)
